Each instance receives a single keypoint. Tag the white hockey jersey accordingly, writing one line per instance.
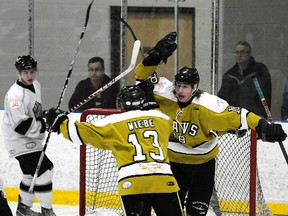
(21, 130)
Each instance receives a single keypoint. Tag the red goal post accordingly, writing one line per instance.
(237, 183)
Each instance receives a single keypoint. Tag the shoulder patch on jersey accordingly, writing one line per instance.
(15, 104)
(211, 102)
(165, 89)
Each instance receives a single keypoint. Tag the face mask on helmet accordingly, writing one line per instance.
(130, 98)
(25, 62)
(188, 76)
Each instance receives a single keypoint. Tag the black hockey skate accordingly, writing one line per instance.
(23, 210)
(47, 212)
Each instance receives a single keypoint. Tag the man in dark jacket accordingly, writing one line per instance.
(238, 88)
(96, 79)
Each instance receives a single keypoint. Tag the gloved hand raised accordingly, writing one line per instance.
(270, 132)
(54, 118)
(150, 102)
(162, 50)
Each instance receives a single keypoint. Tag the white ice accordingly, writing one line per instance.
(60, 210)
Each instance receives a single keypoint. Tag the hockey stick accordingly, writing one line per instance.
(132, 32)
(61, 98)
(74, 58)
(31, 27)
(264, 103)
(132, 65)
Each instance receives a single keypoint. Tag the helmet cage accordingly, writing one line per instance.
(130, 98)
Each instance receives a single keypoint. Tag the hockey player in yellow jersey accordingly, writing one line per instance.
(138, 139)
(198, 118)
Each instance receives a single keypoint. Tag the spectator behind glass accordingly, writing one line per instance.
(96, 79)
(238, 88)
(284, 107)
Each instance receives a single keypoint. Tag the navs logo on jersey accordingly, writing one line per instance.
(15, 104)
(181, 129)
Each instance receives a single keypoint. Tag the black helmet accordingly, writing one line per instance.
(25, 62)
(187, 75)
(130, 98)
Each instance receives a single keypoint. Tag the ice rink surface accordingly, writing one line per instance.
(60, 210)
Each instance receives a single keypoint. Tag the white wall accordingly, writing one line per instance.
(58, 25)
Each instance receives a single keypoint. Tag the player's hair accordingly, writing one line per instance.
(97, 59)
(25, 62)
(244, 43)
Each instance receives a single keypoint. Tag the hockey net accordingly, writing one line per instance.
(237, 183)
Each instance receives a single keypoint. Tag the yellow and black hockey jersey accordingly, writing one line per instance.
(196, 127)
(139, 142)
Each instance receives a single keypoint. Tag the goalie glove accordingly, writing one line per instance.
(150, 102)
(270, 132)
(162, 50)
(54, 118)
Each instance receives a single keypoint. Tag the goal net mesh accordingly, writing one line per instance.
(235, 172)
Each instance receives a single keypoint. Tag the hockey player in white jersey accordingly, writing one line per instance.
(23, 132)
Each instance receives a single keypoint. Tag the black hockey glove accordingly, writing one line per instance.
(54, 118)
(43, 123)
(270, 132)
(162, 50)
(149, 102)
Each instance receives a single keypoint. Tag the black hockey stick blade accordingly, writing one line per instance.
(75, 56)
(132, 32)
(283, 151)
